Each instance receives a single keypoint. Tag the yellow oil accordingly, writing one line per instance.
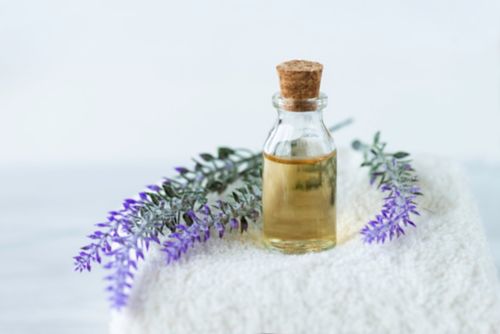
(299, 197)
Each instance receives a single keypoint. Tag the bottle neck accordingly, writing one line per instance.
(296, 111)
(300, 105)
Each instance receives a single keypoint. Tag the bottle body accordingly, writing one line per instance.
(299, 180)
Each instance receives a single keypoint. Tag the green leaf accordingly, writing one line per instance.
(198, 167)
(382, 181)
(236, 197)
(203, 201)
(243, 224)
(169, 190)
(215, 185)
(170, 225)
(154, 198)
(207, 157)
(356, 144)
(400, 155)
(187, 219)
(224, 152)
(366, 163)
(376, 139)
(377, 166)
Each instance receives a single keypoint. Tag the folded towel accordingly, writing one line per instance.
(439, 278)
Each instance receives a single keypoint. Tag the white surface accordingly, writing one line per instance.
(46, 213)
(484, 181)
(439, 279)
(115, 80)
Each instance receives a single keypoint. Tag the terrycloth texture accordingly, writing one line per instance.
(437, 279)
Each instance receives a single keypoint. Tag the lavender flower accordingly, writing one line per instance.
(247, 203)
(124, 242)
(397, 180)
(127, 233)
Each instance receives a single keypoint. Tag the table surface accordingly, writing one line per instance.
(46, 213)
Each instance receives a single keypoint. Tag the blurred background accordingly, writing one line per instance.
(99, 98)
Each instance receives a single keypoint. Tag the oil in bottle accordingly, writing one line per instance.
(299, 202)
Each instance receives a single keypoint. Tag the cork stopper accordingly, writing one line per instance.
(299, 80)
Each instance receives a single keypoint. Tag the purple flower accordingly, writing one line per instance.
(203, 221)
(181, 170)
(220, 229)
(233, 223)
(395, 214)
(397, 179)
(180, 241)
(122, 244)
(205, 209)
(154, 187)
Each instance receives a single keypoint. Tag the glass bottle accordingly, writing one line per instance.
(300, 166)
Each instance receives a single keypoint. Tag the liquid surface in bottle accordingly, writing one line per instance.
(299, 202)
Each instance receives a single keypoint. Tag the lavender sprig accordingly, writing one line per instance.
(397, 179)
(128, 232)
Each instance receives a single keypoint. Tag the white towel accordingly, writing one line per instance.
(439, 278)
